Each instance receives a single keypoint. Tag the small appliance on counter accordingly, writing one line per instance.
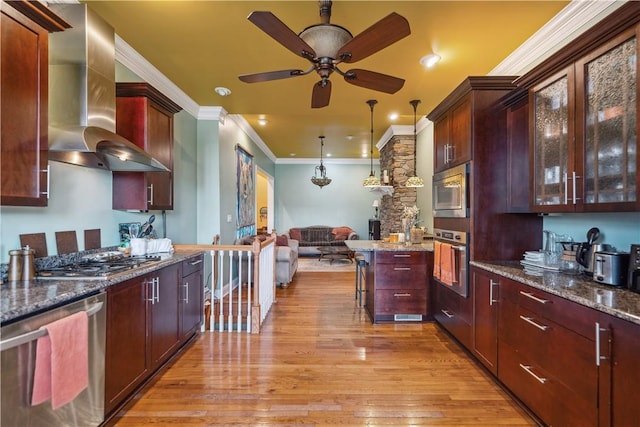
(610, 268)
(633, 282)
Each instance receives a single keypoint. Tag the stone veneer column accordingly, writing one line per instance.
(396, 157)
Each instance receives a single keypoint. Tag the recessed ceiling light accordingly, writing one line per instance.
(328, 154)
(222, 91)
(292, 154)
(393, 116)
(349, 137)
(428, 61)
(262, 122)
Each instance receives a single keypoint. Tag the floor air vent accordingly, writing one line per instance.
(407, 317)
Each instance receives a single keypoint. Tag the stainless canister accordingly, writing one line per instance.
(21, 265)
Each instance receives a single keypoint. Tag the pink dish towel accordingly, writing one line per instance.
(62, 361)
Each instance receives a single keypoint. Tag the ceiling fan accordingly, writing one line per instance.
(326, 45)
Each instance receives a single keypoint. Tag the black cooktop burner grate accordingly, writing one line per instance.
(95, 269)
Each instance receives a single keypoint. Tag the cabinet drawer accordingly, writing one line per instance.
(401, 257)
(401, 301)
(401, 276)
(449, 312)
(192, 264)
(544, 394)
(573, 316)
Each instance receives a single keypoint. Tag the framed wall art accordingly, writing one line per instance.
(246, 221)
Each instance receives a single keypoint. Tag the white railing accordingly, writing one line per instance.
(242, 287)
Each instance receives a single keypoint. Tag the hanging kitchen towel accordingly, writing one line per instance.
(62, 361)
(436, 259)
(446, 264)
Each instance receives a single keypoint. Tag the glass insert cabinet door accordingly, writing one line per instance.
(610, 129)
(552, 156)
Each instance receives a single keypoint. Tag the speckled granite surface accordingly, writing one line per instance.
(19, 299)
(377, 245)
(612, 300)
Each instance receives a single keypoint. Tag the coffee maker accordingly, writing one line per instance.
(634, 269)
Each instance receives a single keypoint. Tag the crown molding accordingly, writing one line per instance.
(325, 160)
(242, 123)
(135, 62)
(212, 113)
(577, 17)
(396, 130)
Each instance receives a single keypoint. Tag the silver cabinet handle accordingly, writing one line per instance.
(157, 282)
(535, 298)
(48, 172)
(195, 262)
(530, 321)
(186, 292)
(446, 153)
(401, 256)
(565, 177)
(529, 370)
(402, 295)
(150, 202)
(599, 357)
(39, 333)
(446, 313)
(575, 177)
(402, 268)
(151, 285)
(491, 285)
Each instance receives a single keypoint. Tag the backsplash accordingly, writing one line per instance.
(619, 229)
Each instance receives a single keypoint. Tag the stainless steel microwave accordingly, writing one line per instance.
(451, 193)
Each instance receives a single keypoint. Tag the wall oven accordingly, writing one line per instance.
(451, 192)
(451, 260)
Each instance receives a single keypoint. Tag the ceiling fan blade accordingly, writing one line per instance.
(273, 26)
(383, 33)
(270, 75)
(373, 80)
(321, 94)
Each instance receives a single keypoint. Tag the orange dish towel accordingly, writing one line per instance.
(447, 263)
(437, 246)
(62, 361)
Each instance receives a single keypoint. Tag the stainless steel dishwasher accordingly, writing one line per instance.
(17, 354)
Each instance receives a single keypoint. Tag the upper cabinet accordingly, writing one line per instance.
(583, 122)
(24, 101)
(145, 117)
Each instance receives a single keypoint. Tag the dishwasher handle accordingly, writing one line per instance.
(38, 333)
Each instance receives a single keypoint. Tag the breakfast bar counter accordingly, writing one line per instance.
(396, 284)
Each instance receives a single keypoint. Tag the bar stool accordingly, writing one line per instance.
(361, 265)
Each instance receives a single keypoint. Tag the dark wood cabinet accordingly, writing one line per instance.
(24, 98)
(546, 352)
(452, 312)
(148, 321)
(126, 358)
(453, 135)
(164, 318)
(583, 121)
(374, 229)
(485, 294)
(397, 285)
(192, 296)
(145, 117)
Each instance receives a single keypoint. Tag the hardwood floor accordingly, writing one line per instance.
(319, 361)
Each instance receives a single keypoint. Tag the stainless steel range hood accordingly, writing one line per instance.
(82, 96)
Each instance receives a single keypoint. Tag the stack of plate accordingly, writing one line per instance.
(536, 259)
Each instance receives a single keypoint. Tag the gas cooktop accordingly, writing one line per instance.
(95, 268)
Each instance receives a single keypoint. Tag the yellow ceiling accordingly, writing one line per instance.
(200, 45)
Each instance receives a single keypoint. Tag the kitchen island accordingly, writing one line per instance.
(397, 278)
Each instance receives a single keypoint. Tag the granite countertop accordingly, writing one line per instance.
(19, 299)
(379, 245)
(616, 301)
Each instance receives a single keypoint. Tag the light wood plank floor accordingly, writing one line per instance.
(318, 362)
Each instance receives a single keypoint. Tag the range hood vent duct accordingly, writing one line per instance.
(82, 97)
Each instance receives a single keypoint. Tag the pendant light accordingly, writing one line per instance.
(371, 181)
(415, 181)
(321, 180)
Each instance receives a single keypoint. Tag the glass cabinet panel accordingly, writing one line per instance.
(610, 126)
(551, 118)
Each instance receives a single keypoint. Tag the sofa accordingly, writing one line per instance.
(286, 257)
(312, 237)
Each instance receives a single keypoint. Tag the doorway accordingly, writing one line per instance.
(264, 202)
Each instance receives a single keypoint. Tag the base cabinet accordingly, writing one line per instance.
(452, 312)
(148, 320)
(485, 298)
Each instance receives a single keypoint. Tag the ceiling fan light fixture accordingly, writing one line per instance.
(326, 39)
(430, 60)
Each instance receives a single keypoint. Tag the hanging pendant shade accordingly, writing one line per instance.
(321, 180)
(371, 181)
(415, 181)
